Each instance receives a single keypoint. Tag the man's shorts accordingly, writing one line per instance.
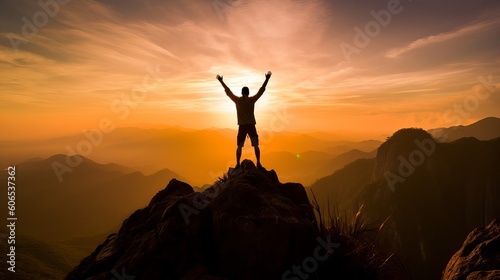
(249, 129)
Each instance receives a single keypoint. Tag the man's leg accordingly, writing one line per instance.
(257, 155)
(238, 156)
(254, 137)
(240, 141)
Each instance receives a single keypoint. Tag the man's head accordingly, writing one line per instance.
(245, 91)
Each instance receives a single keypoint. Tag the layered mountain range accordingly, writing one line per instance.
(428, 191)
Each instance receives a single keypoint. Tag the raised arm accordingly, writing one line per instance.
(263, 87)
(226, 89)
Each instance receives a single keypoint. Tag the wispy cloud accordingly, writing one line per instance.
(442, 37)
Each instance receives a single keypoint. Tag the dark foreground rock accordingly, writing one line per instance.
(479, 257)
(246, 226)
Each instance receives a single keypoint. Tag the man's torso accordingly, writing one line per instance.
(245, 109)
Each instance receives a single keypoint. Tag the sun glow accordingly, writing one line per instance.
(236, 79)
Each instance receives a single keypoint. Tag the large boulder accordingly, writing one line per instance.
(479, 257)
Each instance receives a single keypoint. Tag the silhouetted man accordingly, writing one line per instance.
(246, 118)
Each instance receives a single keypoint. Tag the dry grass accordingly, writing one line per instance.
(359, 256)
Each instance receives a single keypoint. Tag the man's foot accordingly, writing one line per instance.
(259, 166)
(237, 166)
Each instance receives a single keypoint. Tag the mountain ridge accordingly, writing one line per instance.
(113, 190)
(434, 192)
(484, 129)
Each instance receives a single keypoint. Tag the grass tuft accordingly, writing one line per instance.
(360, 255)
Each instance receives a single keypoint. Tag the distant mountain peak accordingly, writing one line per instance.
(408, 134)
(484, 129)
(487, 120)
(62, 157)
(405, 145)
(403, 141)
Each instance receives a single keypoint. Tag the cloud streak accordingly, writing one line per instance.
(443, 37)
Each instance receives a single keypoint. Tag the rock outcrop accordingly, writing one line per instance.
(247, 225)
(479, 257)
(434, 193)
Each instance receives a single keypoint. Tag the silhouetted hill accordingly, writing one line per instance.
(355, 154)
(345, 158)
(485, 129)
(89, 199)
(247, 225)
(340, 147)
(433, 193)
(343, 186)
(40, 173)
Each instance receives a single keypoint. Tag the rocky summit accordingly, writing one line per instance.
(479, 257)
(247, 225)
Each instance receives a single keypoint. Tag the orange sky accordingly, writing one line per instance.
(153, 63)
